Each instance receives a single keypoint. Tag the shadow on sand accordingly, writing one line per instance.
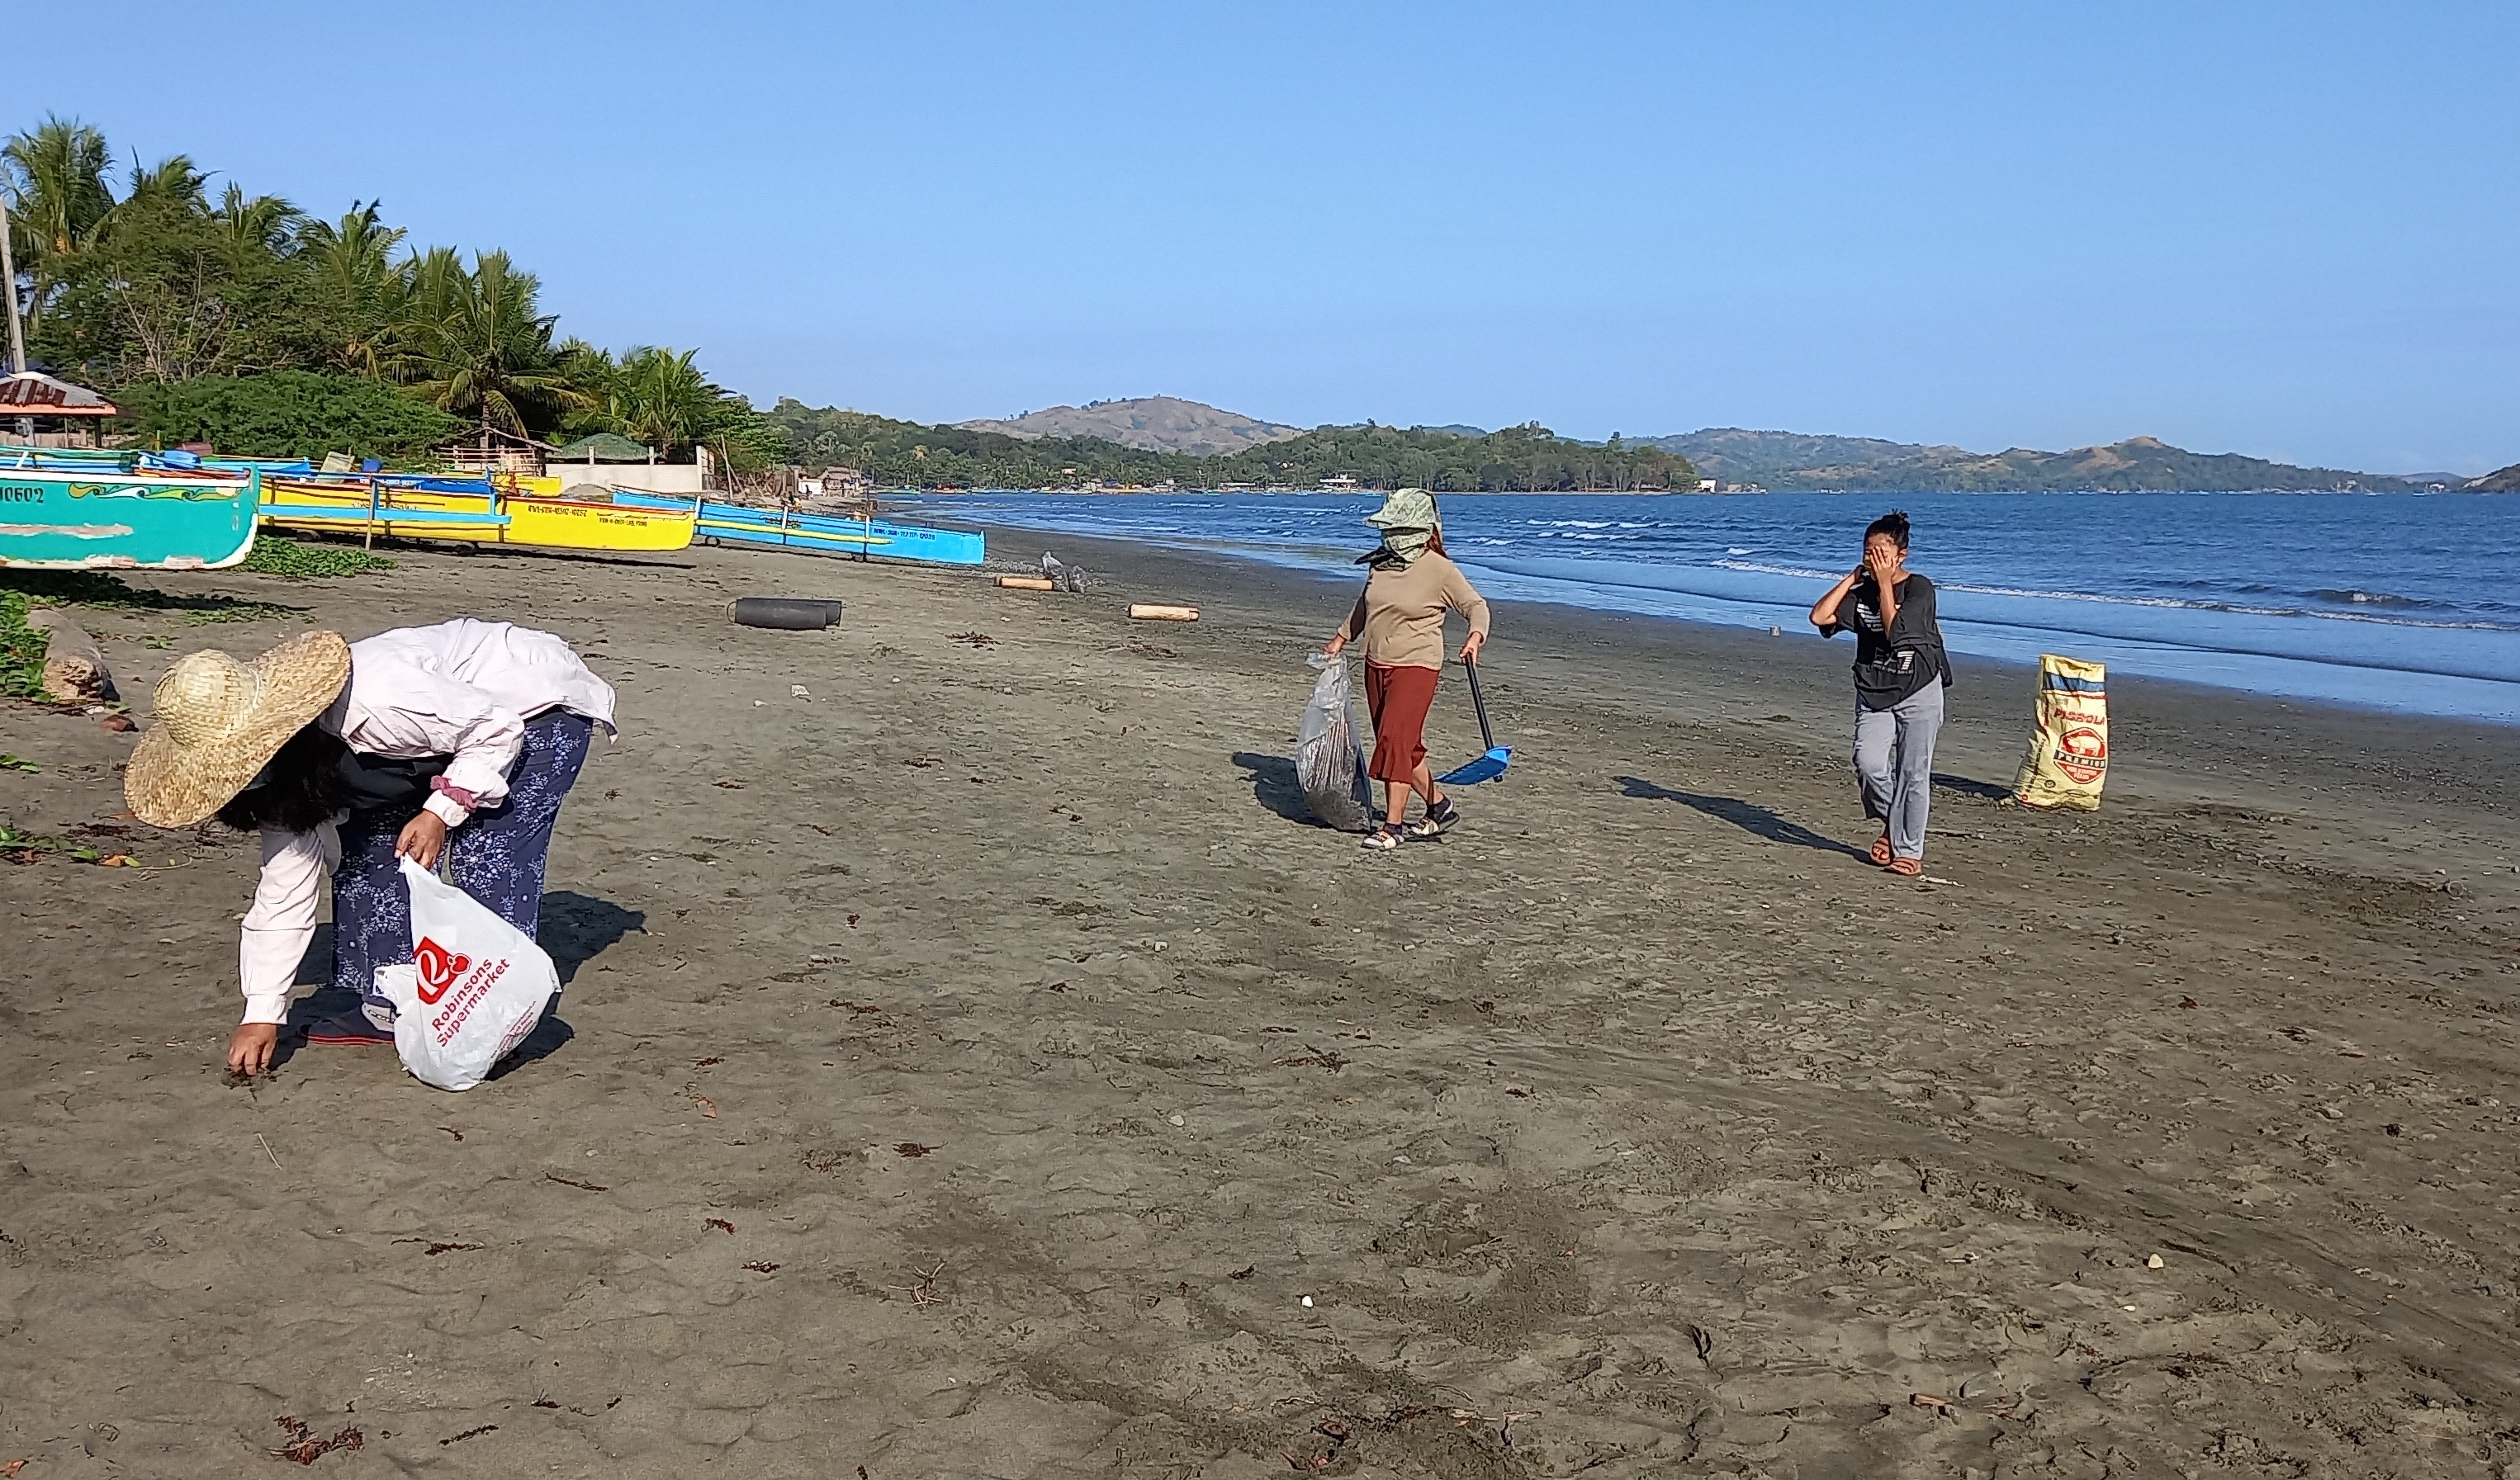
(575, 928)
(578, 927)
(1274, 785)
(1985, 791)
(1749, 817)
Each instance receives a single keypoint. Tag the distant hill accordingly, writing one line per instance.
(1156, 424)
(2506, 481)
(1786, 460)
(1518, 458)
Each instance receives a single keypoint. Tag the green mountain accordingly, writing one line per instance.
(1518, 458)
(1794, 461)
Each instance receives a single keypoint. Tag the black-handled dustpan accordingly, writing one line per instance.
(1488, 767)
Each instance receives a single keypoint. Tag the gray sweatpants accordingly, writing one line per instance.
(1894, 763)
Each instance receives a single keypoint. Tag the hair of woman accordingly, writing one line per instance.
(1893, 524)
(301, 788)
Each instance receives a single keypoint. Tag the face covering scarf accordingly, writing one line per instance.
(1399, 547)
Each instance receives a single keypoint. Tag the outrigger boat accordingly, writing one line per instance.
(819, 533)
(65, 509)
(471, 511)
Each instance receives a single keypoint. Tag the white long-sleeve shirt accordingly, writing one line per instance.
(462, 689)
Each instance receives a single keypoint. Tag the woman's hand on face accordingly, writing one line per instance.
(1470, 648)
(250, 1046)
(422, 839)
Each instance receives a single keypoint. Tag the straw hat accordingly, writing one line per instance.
(220, 721)
(1407, 509)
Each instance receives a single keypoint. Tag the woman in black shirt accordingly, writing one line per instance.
(1900, 674)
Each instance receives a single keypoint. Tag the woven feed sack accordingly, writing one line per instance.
(2068, 761)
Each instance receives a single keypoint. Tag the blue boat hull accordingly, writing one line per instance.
(819, 533)
(58, 519)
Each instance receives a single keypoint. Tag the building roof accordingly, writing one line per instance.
(602, 447)
(31, 392)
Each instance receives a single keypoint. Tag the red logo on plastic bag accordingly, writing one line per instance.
(438, 968)
(2082, 754)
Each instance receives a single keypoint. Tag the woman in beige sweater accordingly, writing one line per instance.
(1400, 615)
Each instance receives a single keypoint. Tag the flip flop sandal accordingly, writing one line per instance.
(1882, 851)
(1908, 868)
(347, 1029)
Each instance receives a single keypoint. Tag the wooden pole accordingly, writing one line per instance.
(9, 274)
(16, 331)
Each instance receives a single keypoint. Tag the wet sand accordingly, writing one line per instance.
(974, 1064)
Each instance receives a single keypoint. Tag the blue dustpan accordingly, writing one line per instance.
(1488, 767)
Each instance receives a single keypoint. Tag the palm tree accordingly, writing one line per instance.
(352, 264)
(661, 398)
(255, 229)
(485, 352)
(174, 184)
(55, 179)
(355, 258)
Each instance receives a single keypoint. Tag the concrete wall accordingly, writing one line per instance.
(645, 478)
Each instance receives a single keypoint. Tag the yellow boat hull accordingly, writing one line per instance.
(571, 525)
(466, 518)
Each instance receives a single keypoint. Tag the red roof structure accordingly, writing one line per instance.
(31, 392)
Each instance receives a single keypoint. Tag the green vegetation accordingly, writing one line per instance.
(94, 588)
(1526, 459)
(292, 560)
(908, 455)
(1786, 461)
(25, 845)
(659, 399)
(1518, 458)
(22, 650)
(146, 293)
(286, 414)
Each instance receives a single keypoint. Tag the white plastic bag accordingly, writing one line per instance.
(1328, 762)
(476, 986)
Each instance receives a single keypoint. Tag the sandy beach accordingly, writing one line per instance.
(977, 1065)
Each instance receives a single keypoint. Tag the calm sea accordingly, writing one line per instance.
(2403, 601)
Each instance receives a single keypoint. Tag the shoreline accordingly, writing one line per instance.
(2213, 737)
(2236, 661)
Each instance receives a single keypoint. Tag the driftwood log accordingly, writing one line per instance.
(74, 667)
(1147, 611)
(1027, 583)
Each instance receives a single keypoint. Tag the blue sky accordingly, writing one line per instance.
(2291, 230)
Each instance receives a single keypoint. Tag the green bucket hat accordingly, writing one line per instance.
(1407, 509)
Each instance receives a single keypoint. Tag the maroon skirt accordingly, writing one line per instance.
(1398, 699)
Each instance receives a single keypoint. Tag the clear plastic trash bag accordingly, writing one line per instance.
(1328, 762)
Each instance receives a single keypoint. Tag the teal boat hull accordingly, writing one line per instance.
(53, 519)
(819, 533)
